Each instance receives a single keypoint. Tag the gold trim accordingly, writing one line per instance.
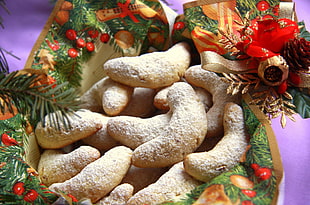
(214, 62)
(201, 3)
(274, 149)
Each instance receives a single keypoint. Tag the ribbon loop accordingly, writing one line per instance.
(126, 11)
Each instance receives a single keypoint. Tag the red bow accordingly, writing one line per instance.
(126, 11)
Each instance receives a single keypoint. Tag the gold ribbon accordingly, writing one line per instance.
(212, 61)
(305, 79)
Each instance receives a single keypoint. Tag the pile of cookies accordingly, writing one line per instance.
(150, 131)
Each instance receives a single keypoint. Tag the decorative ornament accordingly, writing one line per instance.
(124, 39)
(127, 9)
(273, 71)
(272, 57)
(297, 52)
(7, 140)
(63, 14)
(46, 59)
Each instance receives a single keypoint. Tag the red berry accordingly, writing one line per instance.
(90, 46)
(263, 173)
(7, 140)
(254, 166)
(247, 202)
(294, 78)
(104, 38)
(249, 193)
(93, 33)
(282, 87)
(178, 25)
(71, 34)
(267, 17)
(31, 195)
(80, 43)
(18, 188)
(262, 5)
(72, 52)
(276, 9)
(54, 46)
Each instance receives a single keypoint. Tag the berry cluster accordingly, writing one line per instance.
(81, 43)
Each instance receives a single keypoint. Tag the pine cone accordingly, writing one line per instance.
(297, 54)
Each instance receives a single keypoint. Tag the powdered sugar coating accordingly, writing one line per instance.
(185, 131)
(119, 196)
(140, 178)
(174, 183)
(228, 151)
(210, 81)
(98, 178)
(141, 103)
(55, 166)
(134, 131)
(83, 124)
(151, 70)
(101, 139)
(106, 96)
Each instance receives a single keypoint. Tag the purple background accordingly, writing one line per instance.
(27, 19)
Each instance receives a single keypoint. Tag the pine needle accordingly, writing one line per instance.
(35, 102)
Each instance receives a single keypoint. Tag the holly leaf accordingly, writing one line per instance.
(303, 32)
(302, 102)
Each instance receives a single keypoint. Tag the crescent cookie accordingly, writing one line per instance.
(174, 183)
(83, 123)
(118, 196)
(228, 151)
(100, 177)
(141, 103)
(56, 166)
(210, 81)
(101, 139)
(185, 131)
(150, 70)
(134, 131)
(108, 96)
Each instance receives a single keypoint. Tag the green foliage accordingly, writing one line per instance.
(245, 6)
(195, 17)
(303, 31)
(4, 68)
(36, 101)
(15, 170)
(301, 100)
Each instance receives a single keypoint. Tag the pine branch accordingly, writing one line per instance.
(4, 68)
(2, 4)
(36, 100)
